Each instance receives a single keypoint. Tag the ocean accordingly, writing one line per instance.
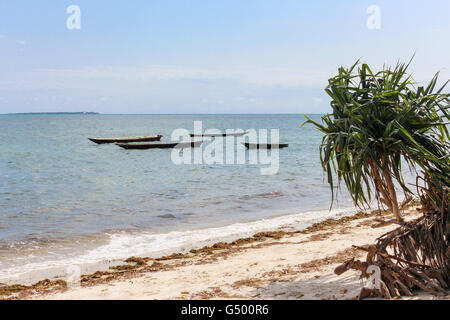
(67, 201)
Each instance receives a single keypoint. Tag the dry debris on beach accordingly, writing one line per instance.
(269, 265)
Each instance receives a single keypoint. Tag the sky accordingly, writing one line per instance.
(206, 56)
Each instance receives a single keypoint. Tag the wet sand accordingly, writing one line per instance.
(270, 265)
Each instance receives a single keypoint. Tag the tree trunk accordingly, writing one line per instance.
(393, 194)
(380, 187)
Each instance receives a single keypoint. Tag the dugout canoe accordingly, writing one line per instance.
(265, 146)
(210, 135)
(160, 145)
(126, 139)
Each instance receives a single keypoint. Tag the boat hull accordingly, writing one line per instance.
(265, 146)
(126, 140)
(160, 145)
(239, 134)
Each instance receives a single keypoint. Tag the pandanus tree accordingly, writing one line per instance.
(380, 123)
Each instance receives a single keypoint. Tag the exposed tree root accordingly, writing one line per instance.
(411, 257)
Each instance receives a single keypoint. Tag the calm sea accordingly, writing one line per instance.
(64, 199)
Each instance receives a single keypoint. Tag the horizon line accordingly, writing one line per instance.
(150, 114)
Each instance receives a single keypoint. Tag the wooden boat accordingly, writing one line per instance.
(126, 139)
(235, 134)
(160, 145)
(264, 146)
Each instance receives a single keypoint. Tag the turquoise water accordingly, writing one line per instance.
(60, 193)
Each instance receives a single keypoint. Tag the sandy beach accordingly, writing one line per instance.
(278, 265)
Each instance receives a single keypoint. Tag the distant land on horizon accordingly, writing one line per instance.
(55, 113)
(78, 113)
(156, 114)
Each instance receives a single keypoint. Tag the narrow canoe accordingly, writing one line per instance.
(236, 134)
(160, 145)
(265, 146)
(126, 139)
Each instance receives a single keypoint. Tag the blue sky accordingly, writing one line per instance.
(209, 56)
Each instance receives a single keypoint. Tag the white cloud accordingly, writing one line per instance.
(105, 99)
(135, 78)
(21, 42)
(284, 78)
(2, 36)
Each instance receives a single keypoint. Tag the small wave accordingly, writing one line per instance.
(123, 244)
(266, 195)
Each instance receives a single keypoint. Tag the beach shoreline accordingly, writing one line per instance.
(270, 265)
(111, 249)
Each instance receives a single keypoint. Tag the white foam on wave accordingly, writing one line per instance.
(123, 245)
